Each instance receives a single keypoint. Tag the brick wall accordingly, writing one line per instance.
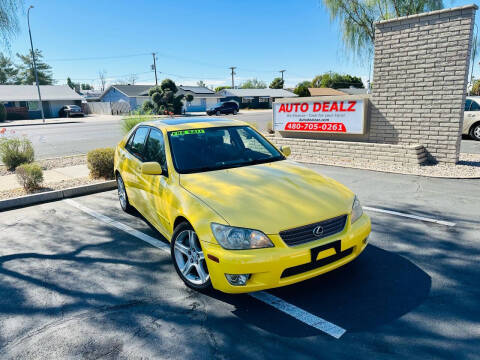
(420, 78)
(314, 150)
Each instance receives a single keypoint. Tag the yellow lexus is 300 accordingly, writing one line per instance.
(239, 216)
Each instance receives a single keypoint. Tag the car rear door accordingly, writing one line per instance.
(154, 189)
(132, 160)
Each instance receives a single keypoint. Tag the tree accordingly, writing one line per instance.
(336, 81)
(357, 17)
(302, 88)
(102, 76)
(201, 83)
(189, 98)
(164, 99)
(26, 72)
(277, 83)
(475, 88)
(253, 84)
(9, 19)
(220, 88)
(86, 86)
(71, 84)
(8, 71)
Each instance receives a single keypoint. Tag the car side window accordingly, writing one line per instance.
(136, 144)
(475, 106)
(155, 149)
(468, 102)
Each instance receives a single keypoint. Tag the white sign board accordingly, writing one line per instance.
(324, 116)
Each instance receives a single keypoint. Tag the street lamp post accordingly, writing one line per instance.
(35, 64)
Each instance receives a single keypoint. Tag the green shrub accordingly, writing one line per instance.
(3, 112)
(100, 163)
(129, 122)
(16, 151)
(30, 176)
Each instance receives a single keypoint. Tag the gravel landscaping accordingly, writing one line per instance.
(50, 186)
(467, 167)
(48, 164)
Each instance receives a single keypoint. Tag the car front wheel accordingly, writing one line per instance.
(189, 259)
(122, 195)
(475, 132)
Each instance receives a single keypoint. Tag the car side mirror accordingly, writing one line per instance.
(151, 168)
(286, 150)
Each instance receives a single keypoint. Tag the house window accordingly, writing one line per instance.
(263, 99)
(23, 104)
(247, 99)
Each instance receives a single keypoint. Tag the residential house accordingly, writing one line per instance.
(254, 98)
(203, 97)
(21, 101)
(136, 95)
(133, 95)
(336, 92)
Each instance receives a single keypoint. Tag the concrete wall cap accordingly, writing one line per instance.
(442, 11)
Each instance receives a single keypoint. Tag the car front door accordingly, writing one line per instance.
(155, 188)
(132, 160)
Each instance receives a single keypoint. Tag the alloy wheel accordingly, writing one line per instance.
(190, 259)
(122, 193)
(476, 132)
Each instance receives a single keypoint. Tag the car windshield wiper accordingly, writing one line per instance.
(262, 161)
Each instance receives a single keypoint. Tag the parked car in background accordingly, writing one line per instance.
(226, 107)
(471, 121)
(70, 110)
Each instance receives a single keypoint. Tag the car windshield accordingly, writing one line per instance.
(218, 104)
(198, 150)
(74, 107)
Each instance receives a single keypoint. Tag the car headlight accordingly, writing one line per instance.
(357, 210)
(234, 238)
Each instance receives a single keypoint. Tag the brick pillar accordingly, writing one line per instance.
(420, 80)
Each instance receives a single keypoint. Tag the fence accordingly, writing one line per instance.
(107, 108)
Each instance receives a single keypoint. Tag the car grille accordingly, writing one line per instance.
(299, 269)
(304, 234)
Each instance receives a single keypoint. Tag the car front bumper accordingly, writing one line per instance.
(268, 267)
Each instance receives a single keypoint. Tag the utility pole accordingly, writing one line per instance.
(35, 64)
(281, 72)
(154, 67)
(233, 73)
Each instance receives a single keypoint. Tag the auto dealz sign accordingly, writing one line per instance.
(329, 116)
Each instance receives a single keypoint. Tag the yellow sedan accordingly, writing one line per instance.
(239, 216)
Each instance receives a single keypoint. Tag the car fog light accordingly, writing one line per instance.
(237, 279)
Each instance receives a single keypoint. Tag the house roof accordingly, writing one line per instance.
(273, 93)
(131, 90)
(325, 92)
(30, 93)
(197, 89)
(354, 91)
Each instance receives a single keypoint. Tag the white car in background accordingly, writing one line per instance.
(471, 120)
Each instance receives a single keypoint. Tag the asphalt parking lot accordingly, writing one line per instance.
(77, 281)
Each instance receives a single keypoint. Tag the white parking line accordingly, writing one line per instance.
(279, 304)
(415, 217)
(299, 314)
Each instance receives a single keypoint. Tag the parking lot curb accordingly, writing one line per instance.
(55, 195)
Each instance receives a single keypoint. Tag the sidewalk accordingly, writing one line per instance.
(87, 118)
(9, 182)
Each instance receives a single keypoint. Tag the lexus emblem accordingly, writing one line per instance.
(318, 231)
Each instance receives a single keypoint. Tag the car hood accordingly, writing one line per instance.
(270, 197)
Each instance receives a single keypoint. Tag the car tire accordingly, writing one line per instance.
(475, 132)
(235, 112)
(122, 195)
(188, 258)
(218, 113)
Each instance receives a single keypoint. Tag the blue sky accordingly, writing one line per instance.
(195, 39)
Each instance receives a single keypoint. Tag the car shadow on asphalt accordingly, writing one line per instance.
(376, 288)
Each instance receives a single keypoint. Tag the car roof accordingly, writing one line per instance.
(190, 122)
